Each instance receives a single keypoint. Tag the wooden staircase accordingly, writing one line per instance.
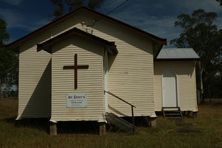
(172, 112)
(119, 123)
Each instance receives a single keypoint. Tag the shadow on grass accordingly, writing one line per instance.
(186, 127)
(189, 130)
(41, 124)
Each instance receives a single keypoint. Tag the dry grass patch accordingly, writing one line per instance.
(205, 131)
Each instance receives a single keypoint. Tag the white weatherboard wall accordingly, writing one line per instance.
(34, 98)
(131, 73)
(34, 83)
(185, 83)
(90, 81)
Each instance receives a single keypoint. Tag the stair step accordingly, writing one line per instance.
(168, 111)
(171, 108)
(172, 112)
(172, 115)
(119, 122)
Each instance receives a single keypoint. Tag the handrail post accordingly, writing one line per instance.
(133, 120)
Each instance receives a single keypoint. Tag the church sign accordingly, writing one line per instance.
(76, 100)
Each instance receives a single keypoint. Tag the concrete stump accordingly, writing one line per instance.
(53, 129)
(153, 123)
(102, 128)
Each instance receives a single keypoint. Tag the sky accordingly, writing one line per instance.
(154, 16)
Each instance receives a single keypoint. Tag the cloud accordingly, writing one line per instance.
(108, 6)
(208, 5)
(13, 18)
(13, 2)
(19, 22)
(154, 16)
(160, 26)
(158, 16)
(219, 22)
(140, 17)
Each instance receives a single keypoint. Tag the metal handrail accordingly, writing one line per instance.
(132, 106)
(108, 92)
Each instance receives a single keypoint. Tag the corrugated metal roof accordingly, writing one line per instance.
(177, 53)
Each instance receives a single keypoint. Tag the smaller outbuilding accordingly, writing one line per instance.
(175, 79)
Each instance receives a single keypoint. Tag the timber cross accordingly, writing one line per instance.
(76, 67)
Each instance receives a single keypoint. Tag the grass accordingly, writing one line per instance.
(205, 131)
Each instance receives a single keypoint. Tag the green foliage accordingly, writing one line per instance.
(200, 33)
(8, 60)
(93, 4)
(4, 36)
(59, 11)
(61, 5)
(220, 1)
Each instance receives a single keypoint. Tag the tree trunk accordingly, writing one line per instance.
(0, 89)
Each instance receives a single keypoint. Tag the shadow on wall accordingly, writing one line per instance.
(39, 105)
(167, 68)
(116, 111)
(111, 59)
(82, 43)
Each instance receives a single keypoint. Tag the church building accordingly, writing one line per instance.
(86, 66)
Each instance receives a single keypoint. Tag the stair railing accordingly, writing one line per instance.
(131, 105)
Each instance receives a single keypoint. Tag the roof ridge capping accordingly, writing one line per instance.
(19, 41)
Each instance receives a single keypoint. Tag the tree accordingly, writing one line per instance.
(73, 4)
(4, 36)
(8, 59)
(200, 33)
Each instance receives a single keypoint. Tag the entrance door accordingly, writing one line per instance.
(169, 90)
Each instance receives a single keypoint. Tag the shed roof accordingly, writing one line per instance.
(177, 54)
(23, 39)
(75, 31)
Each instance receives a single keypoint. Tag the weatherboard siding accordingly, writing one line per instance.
(186, 83)
(35, 99)
(34, 84)
(35, 66)
(131, 78)
(90, 81)
(130, 73)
